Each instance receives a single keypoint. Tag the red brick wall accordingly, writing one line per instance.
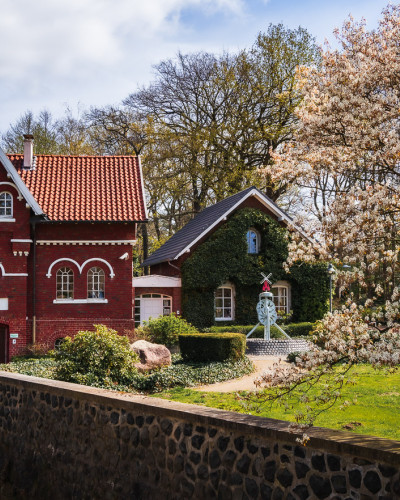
(14, 287)
(49, 330)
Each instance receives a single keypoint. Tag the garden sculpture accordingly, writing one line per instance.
(266, 310)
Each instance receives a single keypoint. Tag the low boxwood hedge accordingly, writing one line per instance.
(292, 329)
(212, 347)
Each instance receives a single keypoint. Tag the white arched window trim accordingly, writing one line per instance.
(80, 268)
(253, 241)
(224, 303)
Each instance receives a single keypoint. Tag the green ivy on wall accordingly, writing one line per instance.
(223, 258)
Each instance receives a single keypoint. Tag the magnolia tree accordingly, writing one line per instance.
(346, 154)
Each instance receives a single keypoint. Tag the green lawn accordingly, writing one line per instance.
(377, 408)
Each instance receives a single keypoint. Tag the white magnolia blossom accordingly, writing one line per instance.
(348, 148)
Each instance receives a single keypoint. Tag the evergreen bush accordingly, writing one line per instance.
(165, 329)
(98, 358)
(212, 347)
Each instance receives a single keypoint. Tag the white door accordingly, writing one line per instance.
(150, 308)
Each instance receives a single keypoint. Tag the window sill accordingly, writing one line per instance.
(80, 301)
(7, 219)
(223, 319)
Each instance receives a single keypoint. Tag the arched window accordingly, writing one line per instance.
(65, 283)
(253, 241)
(6, 205)
(58, 343)
(95, 283)
(224, 303)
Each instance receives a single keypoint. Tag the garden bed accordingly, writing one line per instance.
(179, 374)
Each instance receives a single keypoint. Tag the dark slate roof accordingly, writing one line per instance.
(199, 224)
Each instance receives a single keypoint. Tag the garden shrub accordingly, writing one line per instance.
(98, 358)
(212, 347)
(165, 329)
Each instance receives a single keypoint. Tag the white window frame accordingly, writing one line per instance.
(282, 286)
(257, 236)
(96, 283)
(223, 307)
(11, 205)
(167, 309)
(65, 284)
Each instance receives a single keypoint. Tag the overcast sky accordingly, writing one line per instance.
(55, 53)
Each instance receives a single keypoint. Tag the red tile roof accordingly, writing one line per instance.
(77, 188)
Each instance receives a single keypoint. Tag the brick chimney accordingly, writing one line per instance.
(28, 151)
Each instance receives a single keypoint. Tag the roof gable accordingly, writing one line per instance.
(85, 188)
(23, 189)
(204, 222)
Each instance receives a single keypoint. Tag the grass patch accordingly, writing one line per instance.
(377, 408)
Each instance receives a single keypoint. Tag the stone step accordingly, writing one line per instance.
(275, 347)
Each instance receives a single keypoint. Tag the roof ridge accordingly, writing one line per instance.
(75, 156)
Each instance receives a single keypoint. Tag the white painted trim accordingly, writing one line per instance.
(142, 187)
(3, 272)
(80, 301)
(265, 201)
(6, 219)
(80, 268)
(14, 186)
(11, 170)
(156, 281)
(16, 240)
(86, 242)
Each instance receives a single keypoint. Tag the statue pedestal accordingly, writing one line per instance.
(275, 347)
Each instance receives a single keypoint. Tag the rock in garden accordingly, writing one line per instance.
(151, 355)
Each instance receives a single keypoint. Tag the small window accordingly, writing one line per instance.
(281, 298)
(58, 343)
(95, 283)
(65, 283)
(223, 303)
(6, 205)
(253, 241)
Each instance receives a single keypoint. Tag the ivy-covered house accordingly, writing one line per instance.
(209, 271)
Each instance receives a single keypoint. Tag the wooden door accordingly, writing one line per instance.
(3, 344)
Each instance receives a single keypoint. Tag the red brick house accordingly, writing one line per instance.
(160, 292)
(67, 226)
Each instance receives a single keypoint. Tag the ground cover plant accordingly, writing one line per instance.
(179, 374)
(376, 410)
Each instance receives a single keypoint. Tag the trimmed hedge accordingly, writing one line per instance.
(292, 329)
(201, 347)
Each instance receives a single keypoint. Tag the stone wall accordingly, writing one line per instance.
(64, 441)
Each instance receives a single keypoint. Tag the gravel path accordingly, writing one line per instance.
(245, 383)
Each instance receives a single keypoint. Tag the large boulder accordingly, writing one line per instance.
(151, 355)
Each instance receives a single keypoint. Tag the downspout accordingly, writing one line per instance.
(34, 284)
